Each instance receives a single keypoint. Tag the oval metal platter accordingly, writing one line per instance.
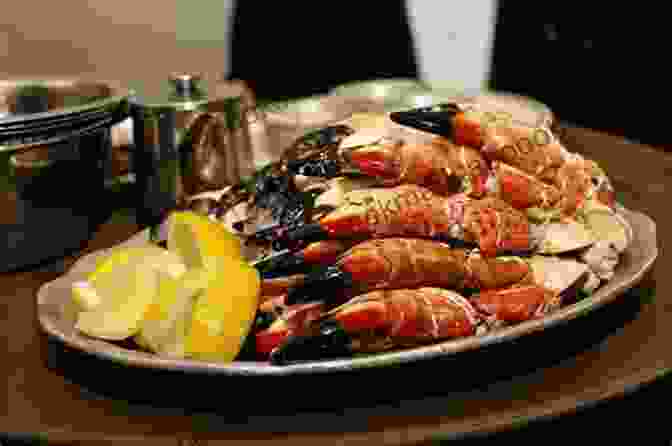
(56, 314)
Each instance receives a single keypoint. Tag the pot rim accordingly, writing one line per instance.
(118, 94)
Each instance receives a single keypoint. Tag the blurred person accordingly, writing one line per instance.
(287, 50)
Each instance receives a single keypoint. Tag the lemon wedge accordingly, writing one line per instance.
(114, 297)
(121, 310)
(224, 311)
(198, 240)
(85, 296)
(168, 318)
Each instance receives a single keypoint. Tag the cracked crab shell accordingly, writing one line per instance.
(555, 273)
(561, 237)
(608, 225)
(364, 137)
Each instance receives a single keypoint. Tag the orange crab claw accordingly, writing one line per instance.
(512, 304)
(295, 321)
(514, 190)
(411, 314)
(377, 161)
(467, 132)
(493, 239)
(271, 337)
(345, 222)
(523, 191)
(271, 288)
(326, 252)
(359, 316)
(479, 187)
(365, 266)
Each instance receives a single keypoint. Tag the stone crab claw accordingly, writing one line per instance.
(515, 304)
(556, 281)
(380, 320)
(410, 210)
(322, 253)
(523, 191)
(448, 120)
(440, 166)
(316, 152)
(393, 263)
(295, 321)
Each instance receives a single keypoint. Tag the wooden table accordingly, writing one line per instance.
(52, 393)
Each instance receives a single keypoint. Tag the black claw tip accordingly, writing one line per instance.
(308, 233)
(436, 119)
(299, 237)
(281, 264)
(331, 341)
(321, 285)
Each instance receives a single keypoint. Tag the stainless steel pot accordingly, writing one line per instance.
(54, 147)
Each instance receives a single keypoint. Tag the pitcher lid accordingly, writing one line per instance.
(183, 91)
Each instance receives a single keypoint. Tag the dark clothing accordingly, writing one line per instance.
(291, 49)
(596, 66)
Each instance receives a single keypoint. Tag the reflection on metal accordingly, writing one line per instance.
(191, 136)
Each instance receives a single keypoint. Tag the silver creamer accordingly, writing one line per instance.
(190, 136)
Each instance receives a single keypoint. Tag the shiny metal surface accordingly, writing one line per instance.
(58, 98)
(54, 146)
(191, 134)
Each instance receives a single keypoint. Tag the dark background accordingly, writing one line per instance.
(596, 64)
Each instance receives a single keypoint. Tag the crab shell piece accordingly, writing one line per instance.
(366, 137)
(609, 226)
(557, 274)
(562, 237)
(294, 322)
(516, 304)
(314, 142)
(337, 188)
(279, 285)
(522, 190)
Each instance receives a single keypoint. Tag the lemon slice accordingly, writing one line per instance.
(115, 296)
(224, 311)
(85, 295)
(122, 309)
(167, 320)
(162, 259)
(198, 240)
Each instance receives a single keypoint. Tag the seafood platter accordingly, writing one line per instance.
(381, 239)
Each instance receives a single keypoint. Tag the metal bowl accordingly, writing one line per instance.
(285, 121)
(387, 92)
(55, 147)
(523, 109)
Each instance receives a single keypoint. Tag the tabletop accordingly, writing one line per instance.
(619, 354)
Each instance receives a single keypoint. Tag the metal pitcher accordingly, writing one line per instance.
(193, 137)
